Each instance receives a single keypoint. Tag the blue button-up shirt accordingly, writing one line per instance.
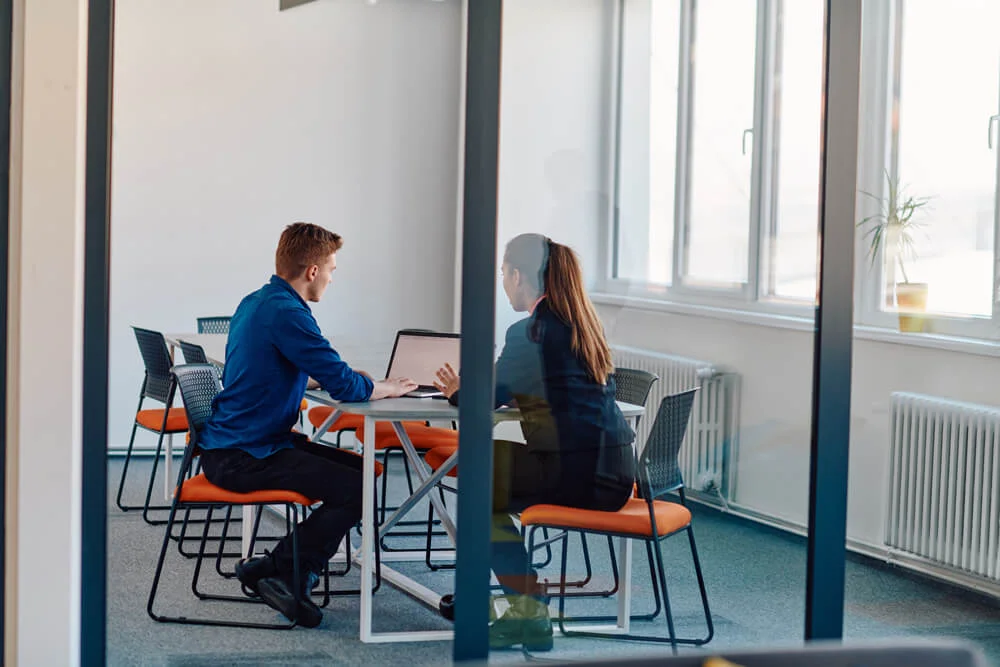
(274, 346)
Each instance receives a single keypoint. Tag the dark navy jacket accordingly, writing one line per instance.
(274, 346)
(566, 411)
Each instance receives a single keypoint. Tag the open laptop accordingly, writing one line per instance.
(419, 354)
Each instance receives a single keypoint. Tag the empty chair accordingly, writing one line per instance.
(217, 324)
(157, 385)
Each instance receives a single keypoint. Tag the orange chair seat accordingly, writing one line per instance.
(632, 519)
(153, 419)
(422, 436)
(199, 490)
(344, 422)
(436, 457)
(304, 405)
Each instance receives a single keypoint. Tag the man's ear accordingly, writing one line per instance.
(312, 272)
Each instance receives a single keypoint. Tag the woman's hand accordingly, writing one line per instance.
(447, 380)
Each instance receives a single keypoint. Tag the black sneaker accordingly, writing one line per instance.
(251, 570)
(277, 593)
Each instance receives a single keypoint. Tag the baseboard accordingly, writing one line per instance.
(878, 555)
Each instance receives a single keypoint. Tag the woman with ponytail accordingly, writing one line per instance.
(556, 367)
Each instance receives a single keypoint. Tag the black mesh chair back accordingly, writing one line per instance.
(193, 354)
(659, 471)
(214, 325)
(633, 385)
(156, 357)
(199, 385)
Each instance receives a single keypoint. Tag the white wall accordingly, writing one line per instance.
(554, 106)
(232, 119)
(42, 605)
(776, 369)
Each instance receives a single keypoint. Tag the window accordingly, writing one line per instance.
(946, 95)
(729, 91)
(718, 156)
(648, 134)
(717, 232)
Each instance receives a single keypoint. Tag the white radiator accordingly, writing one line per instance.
(708, 446)
(944, 482)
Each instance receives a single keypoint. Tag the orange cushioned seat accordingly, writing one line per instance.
(344, 422)
(152, 419)
(632, 519)
(436, 457)
(199, 490)
(422, 436)
(304, 405)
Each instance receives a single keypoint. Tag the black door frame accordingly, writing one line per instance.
(6, 100)
(96, 299)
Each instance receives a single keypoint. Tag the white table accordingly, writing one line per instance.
(396, 411)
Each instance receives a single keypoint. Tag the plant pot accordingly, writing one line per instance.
(911, 304)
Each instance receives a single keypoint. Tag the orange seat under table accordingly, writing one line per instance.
(422, 436)
(436, 457)
(153, 419)
(304, 405)
(344, 422)
(632, 519)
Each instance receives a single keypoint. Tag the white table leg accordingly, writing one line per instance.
(624, 584)
(367, 534)
(249, 515)
(423, 473)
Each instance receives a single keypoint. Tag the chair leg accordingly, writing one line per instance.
(430, 533)
(149, 489)
(701, 587)
(658, 580)
(128, 459)
(189, 620)
(666, 597)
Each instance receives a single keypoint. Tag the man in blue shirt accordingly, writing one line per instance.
(274, 348)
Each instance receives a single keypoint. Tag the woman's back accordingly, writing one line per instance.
(566, 409)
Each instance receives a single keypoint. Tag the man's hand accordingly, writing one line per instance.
(447, 380)
(312, 384)
(392, 387)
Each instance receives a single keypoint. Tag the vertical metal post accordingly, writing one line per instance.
(831, 409)
(96, 289)
(6, 94)
(479, 272)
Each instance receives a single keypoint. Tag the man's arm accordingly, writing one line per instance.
(298, 338)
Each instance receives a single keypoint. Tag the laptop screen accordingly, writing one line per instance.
(419, 356)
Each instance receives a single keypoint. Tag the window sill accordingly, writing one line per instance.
(777, 320)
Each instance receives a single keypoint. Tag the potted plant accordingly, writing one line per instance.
(890, 235)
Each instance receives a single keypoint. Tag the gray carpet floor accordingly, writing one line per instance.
(755, 578)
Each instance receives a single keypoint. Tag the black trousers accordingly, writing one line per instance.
(332, 476)
(523, 477)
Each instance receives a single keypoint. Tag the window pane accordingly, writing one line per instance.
(719, 206)
(648, 135)
(947, 93)
(798, 107)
